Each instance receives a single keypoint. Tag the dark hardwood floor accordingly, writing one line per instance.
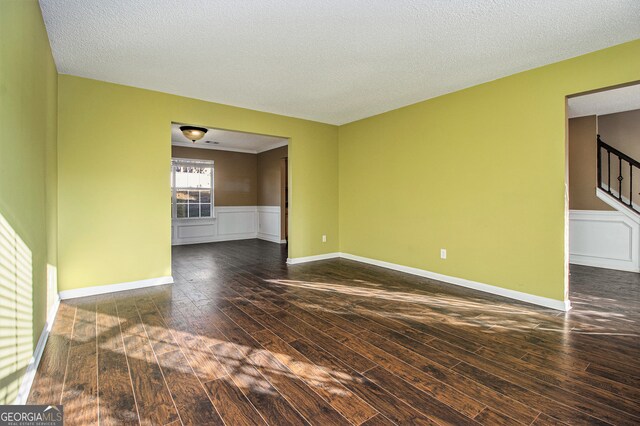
(242, 338)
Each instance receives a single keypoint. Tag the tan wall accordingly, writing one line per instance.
(622, 131)
(582, 165)
(235, 174)
(269, 176)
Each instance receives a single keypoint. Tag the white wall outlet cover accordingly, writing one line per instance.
(443, 253)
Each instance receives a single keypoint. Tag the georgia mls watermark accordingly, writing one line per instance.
(31, 415)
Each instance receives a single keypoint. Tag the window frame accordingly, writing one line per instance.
(185, 162)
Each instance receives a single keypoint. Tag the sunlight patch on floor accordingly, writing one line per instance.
(250, 368)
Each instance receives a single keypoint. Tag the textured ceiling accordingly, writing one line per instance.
(333, 61)
(607, 102)
(227, 140)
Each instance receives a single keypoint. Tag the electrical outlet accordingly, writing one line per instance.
(443, 253)
(324, 238)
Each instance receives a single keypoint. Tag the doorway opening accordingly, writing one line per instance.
(603, 145)
(228, 185)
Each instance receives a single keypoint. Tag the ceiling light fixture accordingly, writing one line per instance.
(193, 133)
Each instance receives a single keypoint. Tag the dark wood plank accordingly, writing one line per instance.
(191, 399)
(267, 320)
(232, 405)
(418, 346)
(117, 402)
(586, 405)
(245, 375)
(273, 407)
(131, 323)
(298, 344)
(155, 404)
(351, 358)
(80, 392)
(434, 389)
(490, 417)
(195, 347)
(160, 336)
(49, 378)
(608, 373)
(521, 412)
(422, 401)
(331, 390)
(544, 420)
(247, 323)
(314, 409)
(554, 407)
(614, 394)
(386, 403)
(378, 420)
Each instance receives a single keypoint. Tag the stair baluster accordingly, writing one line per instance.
(633, 164)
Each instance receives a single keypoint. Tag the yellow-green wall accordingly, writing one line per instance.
(84, 179)
(113, 170)
(480, 172)
(28, 104)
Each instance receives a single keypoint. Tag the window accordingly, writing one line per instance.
(191, 189)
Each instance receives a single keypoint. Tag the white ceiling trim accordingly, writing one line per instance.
(201, 145)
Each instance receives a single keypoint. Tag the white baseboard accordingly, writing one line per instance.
(219, 239)
(269, 237)
(112, 288)
(487, 288)
(32, 367)
(601, 263)
(298, 260)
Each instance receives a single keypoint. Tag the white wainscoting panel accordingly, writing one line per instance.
(236, 222)
(195, 230)
(269, 223)
(229, 223)
(605, 239)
